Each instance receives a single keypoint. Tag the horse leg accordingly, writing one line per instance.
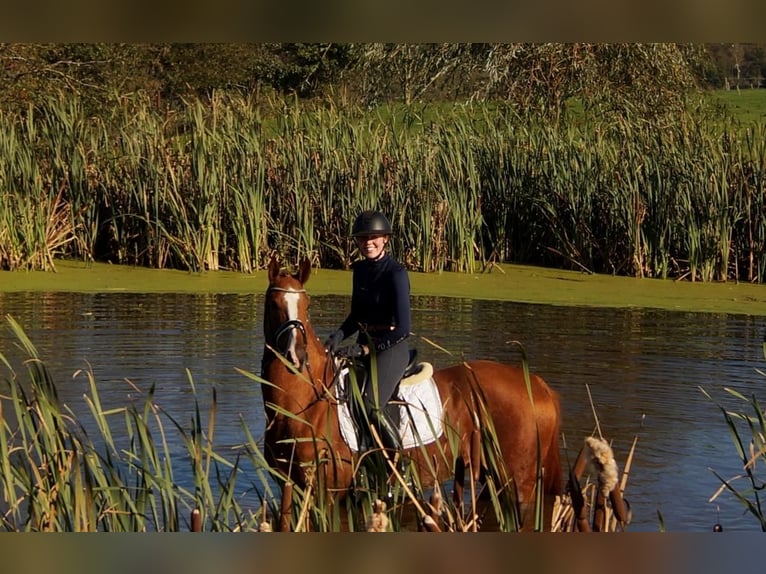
(458, 493)
(473, 453)
(285, 509)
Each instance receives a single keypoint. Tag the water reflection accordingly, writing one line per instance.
(642, 370)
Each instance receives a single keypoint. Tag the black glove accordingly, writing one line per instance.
(353, 351)
(334, 340)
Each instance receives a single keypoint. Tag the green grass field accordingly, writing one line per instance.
(745, 105)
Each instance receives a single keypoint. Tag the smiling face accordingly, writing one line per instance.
(371, 246)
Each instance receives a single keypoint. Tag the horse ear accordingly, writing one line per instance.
(274, 268)
(304, 270)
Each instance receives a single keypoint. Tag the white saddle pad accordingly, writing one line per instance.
(420, 416)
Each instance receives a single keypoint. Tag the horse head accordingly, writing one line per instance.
(286, 327)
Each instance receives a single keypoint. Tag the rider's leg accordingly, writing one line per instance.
(387, 368)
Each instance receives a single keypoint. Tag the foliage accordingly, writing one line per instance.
(539, 75)
(411, 73)
(222, 183)
(103, 74)
(123, 471)
(630, 79)
(735, 65)
(638, 80)
(589, 156)
(747, 427)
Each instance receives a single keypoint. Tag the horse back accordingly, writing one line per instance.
(520, 409)
(500, 384)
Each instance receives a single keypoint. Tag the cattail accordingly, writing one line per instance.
(378, 522)
(264, 527)
(602, 460)
(196, 520)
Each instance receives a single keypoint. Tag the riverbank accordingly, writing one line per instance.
(521, 283)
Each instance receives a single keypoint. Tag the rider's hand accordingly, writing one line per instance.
(334, 340)
(356, 351)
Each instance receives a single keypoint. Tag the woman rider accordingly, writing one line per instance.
(380, 315)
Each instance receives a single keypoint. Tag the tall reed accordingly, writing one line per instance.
(222, 183)
(135, 468)
(746, 423)
(56, 476)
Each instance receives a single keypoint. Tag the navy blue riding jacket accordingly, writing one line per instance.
(380, 303)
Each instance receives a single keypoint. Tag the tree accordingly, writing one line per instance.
(644, 78)
(167, 72)
(413, 72)
(96, 72)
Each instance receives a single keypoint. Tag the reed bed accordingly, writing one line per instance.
(746, 421)
(134, 468)
(56, 477)
(222, 184)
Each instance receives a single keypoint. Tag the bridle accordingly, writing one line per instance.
(290, 324)
(296, 324)
(287, 327)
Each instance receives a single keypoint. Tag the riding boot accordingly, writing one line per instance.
(387, 428)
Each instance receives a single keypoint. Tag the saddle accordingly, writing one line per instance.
(412, 416)
(411, 372)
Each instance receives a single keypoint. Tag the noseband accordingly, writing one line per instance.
(288, 326)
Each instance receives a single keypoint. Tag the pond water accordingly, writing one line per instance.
(626, 372)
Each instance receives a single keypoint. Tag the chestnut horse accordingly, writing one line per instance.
(302, 421)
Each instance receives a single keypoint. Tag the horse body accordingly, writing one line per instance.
(302, 424)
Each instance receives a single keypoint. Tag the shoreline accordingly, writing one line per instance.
(506, 282)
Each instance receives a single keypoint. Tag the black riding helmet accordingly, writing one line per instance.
(371, 223)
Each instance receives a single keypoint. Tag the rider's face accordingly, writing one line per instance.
(372, 246)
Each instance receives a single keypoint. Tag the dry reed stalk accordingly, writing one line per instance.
(435, 506)
(264, 525)
(308, 497)
(562, 514)
(579, 507)
(599, 512)
(430, 525)
(599, 506)
(601, 458)
(621, 511)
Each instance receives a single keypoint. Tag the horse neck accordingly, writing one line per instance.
(281, 376)
(317, 355)
(315, 351)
